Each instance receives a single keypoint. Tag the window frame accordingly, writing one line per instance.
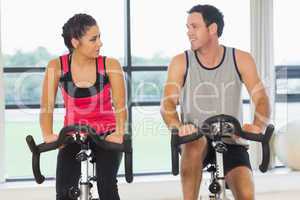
(291, 72)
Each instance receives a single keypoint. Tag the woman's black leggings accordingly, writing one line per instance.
(68, 172)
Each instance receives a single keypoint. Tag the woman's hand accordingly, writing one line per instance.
(115, 137)
(50, 138)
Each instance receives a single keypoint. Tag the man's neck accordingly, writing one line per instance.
(211, 55)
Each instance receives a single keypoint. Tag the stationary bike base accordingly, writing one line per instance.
(217, 186)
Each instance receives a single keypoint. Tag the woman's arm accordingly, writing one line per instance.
(117, 81)
(49, 90)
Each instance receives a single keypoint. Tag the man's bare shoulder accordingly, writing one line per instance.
(244, 61)
(178, 63)
(242, 55)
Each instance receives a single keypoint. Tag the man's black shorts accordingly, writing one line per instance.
(235, 156)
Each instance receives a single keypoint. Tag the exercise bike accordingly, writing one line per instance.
(217, 128)
(83, 135)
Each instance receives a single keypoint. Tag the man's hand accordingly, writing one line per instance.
(252, 128)
(187, 129)
(115, 137)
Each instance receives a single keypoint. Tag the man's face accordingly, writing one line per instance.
(197, 31)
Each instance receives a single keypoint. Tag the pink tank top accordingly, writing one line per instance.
(91, 106)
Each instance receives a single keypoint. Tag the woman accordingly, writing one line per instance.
(93, 90)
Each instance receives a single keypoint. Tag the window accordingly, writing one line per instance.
(287, 61)
(34, 37)
(163, 32)
(148, 86)
(158, 32)
(287, 49)
(29, 40)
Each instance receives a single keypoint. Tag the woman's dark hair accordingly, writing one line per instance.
(76, 27)
(210, 15)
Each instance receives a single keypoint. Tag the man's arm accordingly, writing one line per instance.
(176, 71)
(255, 87)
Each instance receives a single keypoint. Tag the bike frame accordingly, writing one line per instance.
(220, 177)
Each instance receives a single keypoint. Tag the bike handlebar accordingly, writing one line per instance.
(65, 138)
(206, 130)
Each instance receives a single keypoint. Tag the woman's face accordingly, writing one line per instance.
(90, 43)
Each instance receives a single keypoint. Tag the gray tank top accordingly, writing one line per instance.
(211, 91)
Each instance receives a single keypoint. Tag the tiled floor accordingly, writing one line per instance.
(276, 185)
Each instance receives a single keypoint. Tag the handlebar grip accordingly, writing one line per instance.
(39, 178)
(264, 139)
(36, 151)
(128, 167)
(252, 136)
(263, 167)
(128, 158)
(190, 138)
(175, 154)
(43, 147)
(176, 140)
(31, 144)
(127, 143)
(126, 147)
(185, 139)
(107, 145)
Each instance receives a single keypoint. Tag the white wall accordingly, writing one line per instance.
(2, 142)
(262, 51)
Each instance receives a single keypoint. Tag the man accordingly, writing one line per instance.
(206, 81)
